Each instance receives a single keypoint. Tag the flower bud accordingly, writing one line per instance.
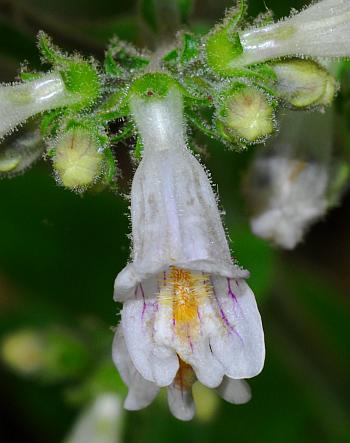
(304, 83)
(23, 351)
(20, 154)
(246, 114)
(78, 158)
(50, 354)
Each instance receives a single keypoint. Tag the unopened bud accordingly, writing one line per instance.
(20, 154)
(246, 114)
(23, 351)
(78, 158)
(304, 83)
(49, 354)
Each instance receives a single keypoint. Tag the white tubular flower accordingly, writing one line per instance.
(297, 199)
(20, 101)
(287, 187)
(100, 422)
(184, 299)
(180, 400)
(321, 30)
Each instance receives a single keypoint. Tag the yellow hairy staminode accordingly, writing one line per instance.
(185, 291)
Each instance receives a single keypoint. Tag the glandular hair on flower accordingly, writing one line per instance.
(78, 159)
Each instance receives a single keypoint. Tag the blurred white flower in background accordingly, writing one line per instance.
(289, 182)
(100, 422)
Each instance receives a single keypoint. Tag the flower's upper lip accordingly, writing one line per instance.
(134, 273)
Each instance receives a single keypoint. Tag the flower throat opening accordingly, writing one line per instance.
(184, 291)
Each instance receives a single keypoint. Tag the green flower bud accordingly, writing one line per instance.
(23, 351)
(78, 159)
(246, 114)
(304, 83)
(52, 354)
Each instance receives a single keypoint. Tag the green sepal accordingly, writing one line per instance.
(49, 52)
(112, 68)
(29, 76)
(153, 85)
(110, 168)
(171, 56)
(115, 106)
(198, 90)
(223, 44)
(190, 48)
(50, 123)
(127, 56)
(201, 124)
(81, 78)
(123, 134)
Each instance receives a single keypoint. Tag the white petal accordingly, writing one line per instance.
(181, 403)
(239, 346)
(321, 30)
(21, 101)
(156, 363)
(234, 391)
(141, 392)
(174, 211)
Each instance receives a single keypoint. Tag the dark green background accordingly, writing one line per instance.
(60, 253)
